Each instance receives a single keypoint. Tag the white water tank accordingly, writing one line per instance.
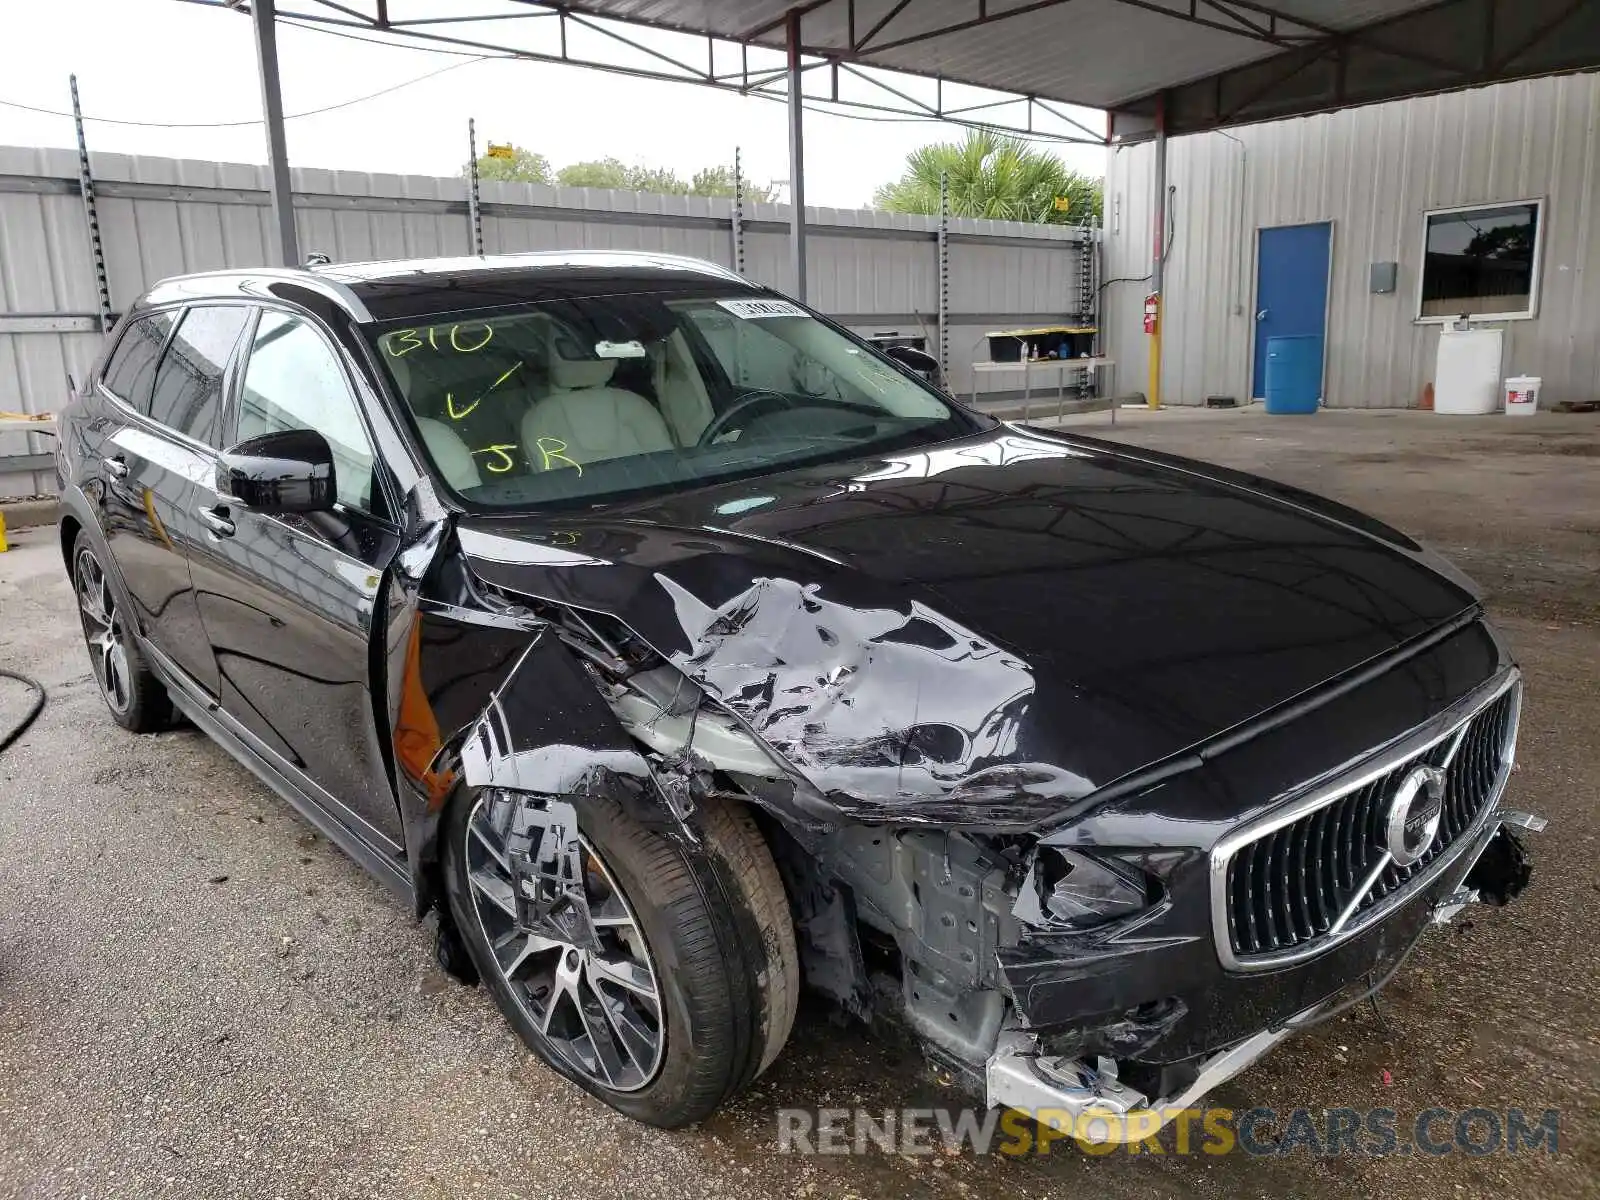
(1466, 375)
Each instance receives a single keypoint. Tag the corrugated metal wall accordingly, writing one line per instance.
(159, 217)
(1372, 172)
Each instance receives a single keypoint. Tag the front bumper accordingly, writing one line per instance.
(1087, 1099)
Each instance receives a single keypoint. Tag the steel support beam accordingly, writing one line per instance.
(737, 223)
(474, 213)
(91, 213)
(944, 279)
(1158, 261)
(797, 157)
(263, 14)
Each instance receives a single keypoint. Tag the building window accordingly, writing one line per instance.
(1481, 262)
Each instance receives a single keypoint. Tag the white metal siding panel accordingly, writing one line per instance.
(1373, 172)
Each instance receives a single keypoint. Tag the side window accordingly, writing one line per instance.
(188, 387)
(293, 381)
(132, 368)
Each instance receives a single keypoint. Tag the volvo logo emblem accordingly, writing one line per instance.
(1414, 814)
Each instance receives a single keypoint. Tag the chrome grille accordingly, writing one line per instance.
(1292, 887)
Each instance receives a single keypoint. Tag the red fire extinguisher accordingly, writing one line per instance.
(1152, 311)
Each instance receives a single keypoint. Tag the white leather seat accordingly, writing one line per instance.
(583, 420)
(685, 403)
(449, 453)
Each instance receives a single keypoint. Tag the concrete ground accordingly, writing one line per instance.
(200, 997)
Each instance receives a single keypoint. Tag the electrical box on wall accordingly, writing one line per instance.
(1383, 277)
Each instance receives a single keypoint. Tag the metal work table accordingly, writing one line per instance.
(1059, 367)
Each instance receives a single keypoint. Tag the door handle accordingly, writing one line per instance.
(1262, 315)
(216, 520)
(116, 466)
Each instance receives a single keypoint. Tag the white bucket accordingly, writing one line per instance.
(1522, 395)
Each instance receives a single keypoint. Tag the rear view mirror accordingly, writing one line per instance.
(920, 361)
(286, 472)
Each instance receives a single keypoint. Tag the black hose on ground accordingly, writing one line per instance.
(33, 712)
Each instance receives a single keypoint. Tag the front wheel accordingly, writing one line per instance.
(672, 984)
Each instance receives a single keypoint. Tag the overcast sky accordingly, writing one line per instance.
(162, 61)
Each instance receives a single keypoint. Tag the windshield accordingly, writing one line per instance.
(586, 399)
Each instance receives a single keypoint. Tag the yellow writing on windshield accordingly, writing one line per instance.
(553, 450)
(455, 342)
(463, 339)
(457, 414)
(503, 460)
(402, 342)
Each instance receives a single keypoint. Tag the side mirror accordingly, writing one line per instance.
(287, 472)
(920, 361)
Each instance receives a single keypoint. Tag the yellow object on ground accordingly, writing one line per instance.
(1154, 397)
(2, 533)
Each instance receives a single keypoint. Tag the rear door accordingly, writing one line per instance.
(158, 443)
(289, 602)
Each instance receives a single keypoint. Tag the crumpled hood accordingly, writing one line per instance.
(988, 629)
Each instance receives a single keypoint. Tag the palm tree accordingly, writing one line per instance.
(993, 176)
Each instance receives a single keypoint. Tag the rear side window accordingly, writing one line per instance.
(188, 387)
(132, 368)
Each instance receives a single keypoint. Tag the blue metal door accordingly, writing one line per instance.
(1291, 290)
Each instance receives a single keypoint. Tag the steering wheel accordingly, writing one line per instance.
(723, 421)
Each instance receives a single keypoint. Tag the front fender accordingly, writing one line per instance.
(548, 730)
(507, 705)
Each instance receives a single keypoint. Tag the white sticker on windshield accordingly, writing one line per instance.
(752, 310)
(619, 350)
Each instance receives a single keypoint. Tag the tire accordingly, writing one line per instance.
(718, 943)
(136, 698)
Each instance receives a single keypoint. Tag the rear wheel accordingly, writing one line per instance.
(131, 691)
(675, 989)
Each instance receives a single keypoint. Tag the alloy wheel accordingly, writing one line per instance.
(104, 631)
(598, 1007)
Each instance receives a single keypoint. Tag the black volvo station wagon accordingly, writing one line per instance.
(679, 649)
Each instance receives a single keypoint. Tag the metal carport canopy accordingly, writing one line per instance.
(1158, 67)
(1215, 62)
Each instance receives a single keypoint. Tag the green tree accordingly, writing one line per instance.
(993, 176)
(612, 172)
(524, 166)
(718, 181)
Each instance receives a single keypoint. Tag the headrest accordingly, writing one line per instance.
(570, 376)
(573, 374)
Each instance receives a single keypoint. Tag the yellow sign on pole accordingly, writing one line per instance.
(502, 150)
(1063, 203)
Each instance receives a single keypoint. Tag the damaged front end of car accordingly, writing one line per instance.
(1056, 943)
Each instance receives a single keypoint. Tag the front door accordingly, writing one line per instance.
(1291, 290)
(288, 602)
